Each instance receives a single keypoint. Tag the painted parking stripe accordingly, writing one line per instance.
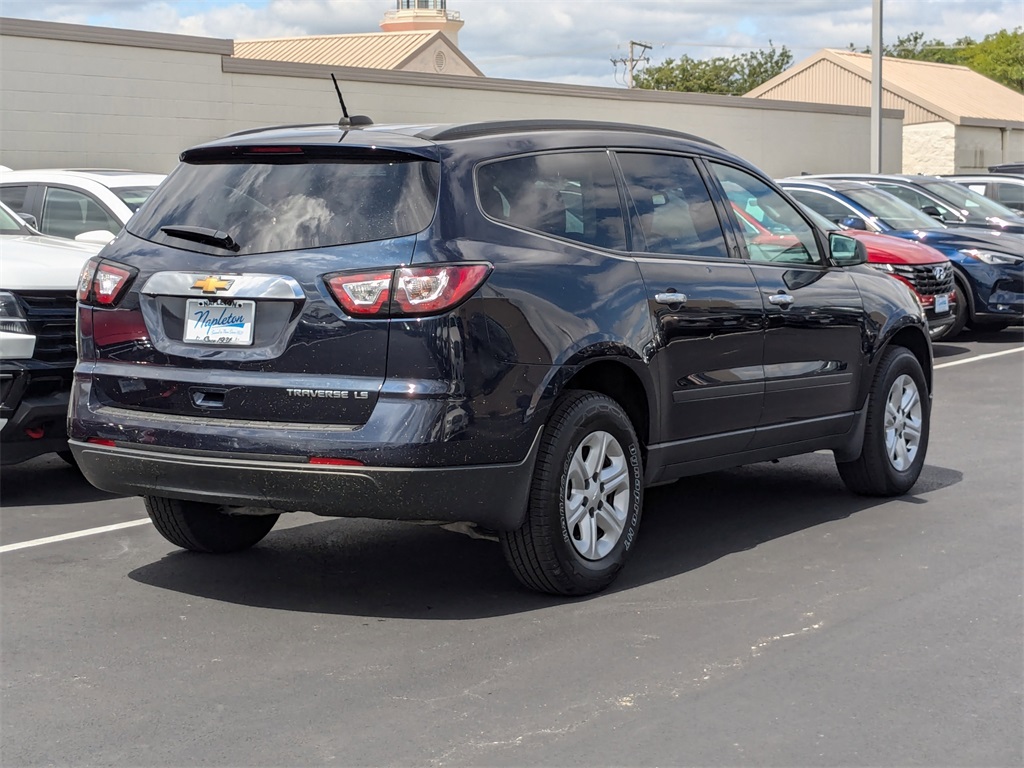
(72, 535)
(144, 521)
(978, 357)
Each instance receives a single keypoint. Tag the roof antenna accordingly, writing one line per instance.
(347, 121)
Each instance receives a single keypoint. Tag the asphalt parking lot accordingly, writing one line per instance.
(768, 618)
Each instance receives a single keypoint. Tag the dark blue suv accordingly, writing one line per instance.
(521, 325)
(988, 265)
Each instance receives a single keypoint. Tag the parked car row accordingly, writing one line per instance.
(987, 262)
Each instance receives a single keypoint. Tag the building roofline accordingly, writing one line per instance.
(83, 33)
(424, 79)
(430, 41)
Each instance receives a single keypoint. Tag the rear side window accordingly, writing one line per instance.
(571, 195)
(67, 213)
(675, 210)
(283, 206)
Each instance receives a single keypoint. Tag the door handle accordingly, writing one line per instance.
(670, 298)
(781, 299)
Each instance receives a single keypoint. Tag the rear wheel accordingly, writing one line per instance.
(585, 502)
(896, 429)
(202, 527)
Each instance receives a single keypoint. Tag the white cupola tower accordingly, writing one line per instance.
(419, 15)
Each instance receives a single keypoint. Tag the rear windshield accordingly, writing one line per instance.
(280, 206)
(133, 197)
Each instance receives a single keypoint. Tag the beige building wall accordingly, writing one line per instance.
(116, 98)
(929, 148)
(978, 147)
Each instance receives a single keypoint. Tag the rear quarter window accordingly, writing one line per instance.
(281, 206)
(571, 195)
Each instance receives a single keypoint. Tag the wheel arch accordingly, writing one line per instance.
(619, 381)
(911, 337)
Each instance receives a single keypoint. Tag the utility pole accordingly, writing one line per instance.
(633, 60)
(876, 87)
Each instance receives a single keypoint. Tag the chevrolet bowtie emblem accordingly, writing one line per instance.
(212, 284)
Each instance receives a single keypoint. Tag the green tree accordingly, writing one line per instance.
(1000, 56)
(721, 74)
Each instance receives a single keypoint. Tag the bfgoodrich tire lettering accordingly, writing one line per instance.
(896, 429)
(587, 490)
(202, 527)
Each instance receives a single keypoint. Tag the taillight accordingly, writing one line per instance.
(362, 294)
(103, 283)
(407, 291)
(85, 279)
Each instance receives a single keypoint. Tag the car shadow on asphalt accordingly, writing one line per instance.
(47, 480)
(400, 570)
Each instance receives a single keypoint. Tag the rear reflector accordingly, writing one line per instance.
(100, 441)
(326, 462)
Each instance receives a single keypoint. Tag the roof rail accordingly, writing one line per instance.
(474, 130)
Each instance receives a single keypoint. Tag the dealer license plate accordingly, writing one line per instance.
(215, 321)
(941, 303)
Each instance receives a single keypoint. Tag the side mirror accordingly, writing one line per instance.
(845, 250)
(853, 222)
(932, 211)
(95, 236)
(29, 219)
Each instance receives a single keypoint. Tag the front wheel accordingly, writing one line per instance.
(585, 501)
(896, 429)
(202, 527)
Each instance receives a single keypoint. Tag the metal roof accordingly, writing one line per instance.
(372, 50)
(951, 92)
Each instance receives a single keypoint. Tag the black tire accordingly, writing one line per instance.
(544, 553)
(962, 313)
(202, 527)
(874, 473)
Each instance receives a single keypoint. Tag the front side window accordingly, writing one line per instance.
(673, 205)
(263, 207)
(780, 233)
(67, 213)
(570, 194)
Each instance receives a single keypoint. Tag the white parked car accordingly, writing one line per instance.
(86, 205)
(38, 278)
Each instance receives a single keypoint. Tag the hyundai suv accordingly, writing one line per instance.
(518, 324)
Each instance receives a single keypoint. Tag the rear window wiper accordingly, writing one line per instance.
(204, 235)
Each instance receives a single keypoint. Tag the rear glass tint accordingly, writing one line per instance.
(284, 206)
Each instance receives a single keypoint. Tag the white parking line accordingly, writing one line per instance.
(72, 535)
(966, 360)
(144, 521)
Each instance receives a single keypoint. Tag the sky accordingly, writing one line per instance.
(565, 41)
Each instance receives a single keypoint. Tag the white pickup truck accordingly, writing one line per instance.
(38, 278)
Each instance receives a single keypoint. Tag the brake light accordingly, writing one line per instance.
(407, 291)
(324, 461)
(273, 150)
(102, 283)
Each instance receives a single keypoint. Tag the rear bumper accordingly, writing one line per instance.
(491, 495)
